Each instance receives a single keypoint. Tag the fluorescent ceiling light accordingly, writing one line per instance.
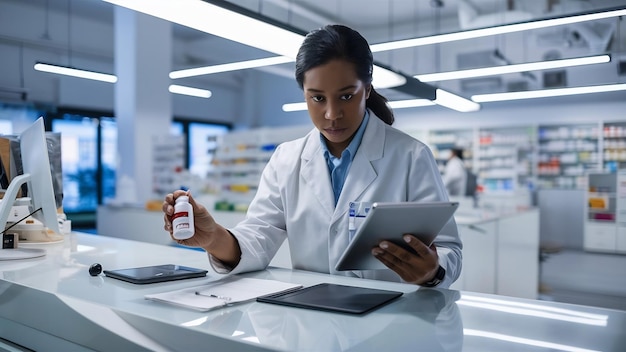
(105, 77)
(69, 71)
(221, 22)
(234, 26)
(290, 107)
(455, 102)
(504, 69)
(398, 104)
(484, 32)
(410, 103)
(544, 93)
(194, 92)
(233, 66)
(384, 78)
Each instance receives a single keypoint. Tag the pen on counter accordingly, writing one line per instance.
(225, 298)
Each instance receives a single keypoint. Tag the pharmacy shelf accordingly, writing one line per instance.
(506, 158)
(566, 154)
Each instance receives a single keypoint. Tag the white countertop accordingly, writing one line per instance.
(56, 296)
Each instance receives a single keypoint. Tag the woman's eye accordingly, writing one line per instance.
(346, 97)
(317, 98)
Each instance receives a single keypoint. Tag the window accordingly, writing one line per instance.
(202, 145)
(80, 162)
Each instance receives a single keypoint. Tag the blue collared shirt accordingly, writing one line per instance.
(338, 167)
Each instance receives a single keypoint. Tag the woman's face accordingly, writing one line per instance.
(335, 98)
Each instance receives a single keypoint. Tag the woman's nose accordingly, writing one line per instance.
(333, 112)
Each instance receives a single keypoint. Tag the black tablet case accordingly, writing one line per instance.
(156, 273)
(334, 297)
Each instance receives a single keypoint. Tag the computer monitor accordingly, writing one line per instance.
(36, 174)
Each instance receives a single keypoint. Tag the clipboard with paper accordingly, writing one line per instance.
(217, 294)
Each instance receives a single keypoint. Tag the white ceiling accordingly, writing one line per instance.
(381, 21)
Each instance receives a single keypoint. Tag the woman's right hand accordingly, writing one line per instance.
(205, 226)
(208, 234)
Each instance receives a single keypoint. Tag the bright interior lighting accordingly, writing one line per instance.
(67, 71)
(236, 27)
(504, 69)
(221, 22)
(410, 103)
(529, 309)
(194, 92)
(384, 78)
(484, 32)
(233, 66)
(544, 93)
(525, 341)
(195, 322)
(290, 107)
(398, 104)
(455, 102)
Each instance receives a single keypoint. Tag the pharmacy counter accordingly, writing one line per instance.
(500, 252)
(52, 304)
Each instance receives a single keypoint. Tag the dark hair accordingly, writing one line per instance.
(458, 152)
(340, 42)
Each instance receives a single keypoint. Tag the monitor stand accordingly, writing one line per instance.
(5, 207)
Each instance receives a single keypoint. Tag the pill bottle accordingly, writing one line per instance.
(182, 220)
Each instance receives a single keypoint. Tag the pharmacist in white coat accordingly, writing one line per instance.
(455, 175)
(353, 154)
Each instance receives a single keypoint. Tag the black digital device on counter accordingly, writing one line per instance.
(334, 298)
(156, 273)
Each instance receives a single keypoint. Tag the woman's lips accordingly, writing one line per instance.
(335, 131)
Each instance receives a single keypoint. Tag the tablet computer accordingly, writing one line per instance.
(155, 273)
(389, 221)
(334, 298)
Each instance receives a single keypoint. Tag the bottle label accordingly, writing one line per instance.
(180, 214)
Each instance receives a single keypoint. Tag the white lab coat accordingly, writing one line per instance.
(455, 177)
(295, 201)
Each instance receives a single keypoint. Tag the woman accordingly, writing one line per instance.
(352, 155)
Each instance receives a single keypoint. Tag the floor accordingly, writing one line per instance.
(579, 277)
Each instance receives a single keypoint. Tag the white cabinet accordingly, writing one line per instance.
(600, 237)
(518, 255)
(479, 257)
(501, 255)
(605, 220)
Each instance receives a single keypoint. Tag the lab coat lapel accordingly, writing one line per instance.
(315, 173)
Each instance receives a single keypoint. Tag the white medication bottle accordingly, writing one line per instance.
(182, 220)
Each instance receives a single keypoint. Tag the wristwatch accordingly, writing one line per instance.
(441, 274)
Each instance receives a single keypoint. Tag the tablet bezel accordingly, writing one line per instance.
(389, 221)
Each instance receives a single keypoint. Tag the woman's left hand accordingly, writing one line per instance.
(416, 268)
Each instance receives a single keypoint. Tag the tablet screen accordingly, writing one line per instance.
(390, 221)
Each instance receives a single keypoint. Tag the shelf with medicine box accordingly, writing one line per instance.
(168, 158)
(506, 158)
(442, 142)
(566, 153)
(239, 160)
(605, 218)
(614, 146)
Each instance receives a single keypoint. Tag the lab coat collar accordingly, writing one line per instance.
(361, 173)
